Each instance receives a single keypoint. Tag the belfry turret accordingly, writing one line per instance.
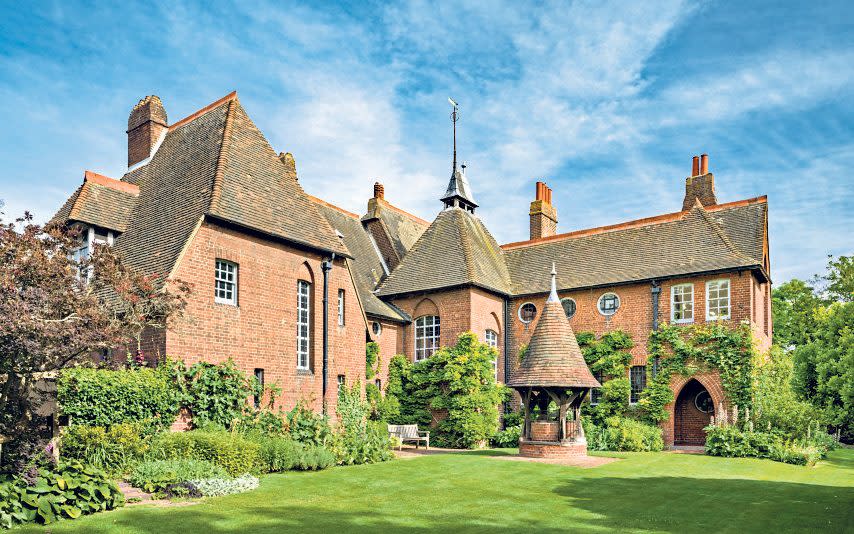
(458, 194)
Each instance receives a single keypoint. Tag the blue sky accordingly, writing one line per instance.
(606, 103)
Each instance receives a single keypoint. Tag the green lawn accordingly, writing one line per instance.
(649, 492)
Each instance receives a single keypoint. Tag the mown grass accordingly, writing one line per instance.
(476, 492)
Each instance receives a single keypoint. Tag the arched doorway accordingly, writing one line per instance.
(693, 412)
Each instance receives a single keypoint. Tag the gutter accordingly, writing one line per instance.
(326, 266)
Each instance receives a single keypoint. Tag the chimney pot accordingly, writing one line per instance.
(704, 164)
(539, 193)
(695, 166)
(379, 190)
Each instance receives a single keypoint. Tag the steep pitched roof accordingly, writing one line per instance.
(366, 265)
(553, 358)
(403, 228)
(456, 249)
(699, 240)
(214, 163)
(99, 201)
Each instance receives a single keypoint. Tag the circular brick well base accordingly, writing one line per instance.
(551, 449)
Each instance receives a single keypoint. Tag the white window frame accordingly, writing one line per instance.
(519, 312)
(341, 302)
(221, 266)
(632, 385)
(574, 304)
(491, 337)
(674, 292)
(430, 342)
(303, 324)
(602, 297)
(377, 328)
(716, 285)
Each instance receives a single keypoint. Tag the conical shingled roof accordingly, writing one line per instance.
(554, 358)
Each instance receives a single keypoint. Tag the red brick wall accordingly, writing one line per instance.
(261, 331)
(388, 342)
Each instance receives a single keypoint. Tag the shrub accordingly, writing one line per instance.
(357, 440)
(66, 490)
(182, 490)
(215, 487)
(623, 434)
(262, 421)
(155, 476)
(103, 397)
(730, 441)
(113, 449)
(459, 381)
(307, 426)
(314, 458)
(229, 450)
(279, 454)
(509, 437)
(214, 393)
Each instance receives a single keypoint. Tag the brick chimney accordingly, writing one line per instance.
(543, 214)
(700, 185)
(379, 190)
(146, 123)
(290, 164)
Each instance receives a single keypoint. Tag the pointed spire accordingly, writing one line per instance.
(553, 295)
(458, 194)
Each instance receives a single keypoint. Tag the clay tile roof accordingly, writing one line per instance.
(214, 163)
(714, 238)
(456, 249)
(366, 265)
(403, 228)
(99, 201)
(553, 358)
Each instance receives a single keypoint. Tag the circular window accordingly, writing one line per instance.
(527, 312)
(568, 307)
(703, 402)
(609, 303)
(376, 328)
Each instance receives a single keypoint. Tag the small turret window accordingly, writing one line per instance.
(527, 312)
(568, 307)
(609, 303)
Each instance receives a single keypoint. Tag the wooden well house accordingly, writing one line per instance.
(553, 370)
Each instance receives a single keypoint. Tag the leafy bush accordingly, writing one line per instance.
(214, 393)
(182, 490)
(155, 476)
(263, 421)
(229, 450)
(509, 437)
(776, 407)
(731, 441)
(307, 426)
(113, 449)
(357, 440)
(215, 487)
(103, 397)
(66, 490)
(623, 434)
(279, 454)
(458, 381)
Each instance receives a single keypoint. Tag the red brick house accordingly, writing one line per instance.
(207, 200)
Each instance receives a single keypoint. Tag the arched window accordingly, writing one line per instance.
(427, 330)
(303, 323)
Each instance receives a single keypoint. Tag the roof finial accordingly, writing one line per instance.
(553, 295)
(455, 116)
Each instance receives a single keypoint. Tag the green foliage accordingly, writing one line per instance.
(824, 367)
(794, 306)
(731, 441)
(684, 350)
(458, 381)
(372, 359)
(64, 491)
(281, 453)
(614, 399)
(358, 440)
(610, 356)
(775, 405)
(307, 426)
(229, 450)
(839, 281)
(272, 422)
(154, 476)
(622, 434)
(113, 449)
(103, 397)
(509, 437)
(216, 393)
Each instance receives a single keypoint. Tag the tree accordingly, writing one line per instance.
(56, 310)
(794, 305)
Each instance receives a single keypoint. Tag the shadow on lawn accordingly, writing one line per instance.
(682, 504)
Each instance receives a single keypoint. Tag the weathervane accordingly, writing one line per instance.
(455, 116)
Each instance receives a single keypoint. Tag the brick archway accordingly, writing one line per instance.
(691, 414)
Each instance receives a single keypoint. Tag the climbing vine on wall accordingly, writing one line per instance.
(609, 355)
(685, 350)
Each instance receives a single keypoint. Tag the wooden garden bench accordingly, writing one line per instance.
(409, 433)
